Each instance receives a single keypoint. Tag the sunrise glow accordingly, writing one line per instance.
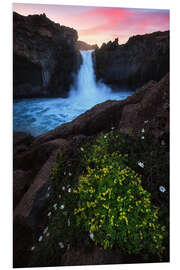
(101, 24)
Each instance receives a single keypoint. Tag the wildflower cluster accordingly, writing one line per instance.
(97, 195)
(114, 207)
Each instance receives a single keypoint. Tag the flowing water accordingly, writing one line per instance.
(39, 115)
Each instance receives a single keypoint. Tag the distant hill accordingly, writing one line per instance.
(81, 45)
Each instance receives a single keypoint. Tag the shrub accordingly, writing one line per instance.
(109, 201)
(114, 207)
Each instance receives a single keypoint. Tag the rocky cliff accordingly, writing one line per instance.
(142, 58)
(81, 45)
(45, 56)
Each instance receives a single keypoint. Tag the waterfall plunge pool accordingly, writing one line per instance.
(38, 115)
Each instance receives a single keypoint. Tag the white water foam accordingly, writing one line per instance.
(39, 115)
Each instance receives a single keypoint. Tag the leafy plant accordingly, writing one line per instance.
(107, 191)
(113, 206)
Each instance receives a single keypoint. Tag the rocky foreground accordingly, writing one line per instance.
(142, 58)
(34, 157)
(45, 57)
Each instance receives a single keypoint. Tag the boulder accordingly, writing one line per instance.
(21, 183)
(26, 214)
(152, 111)
(37, 155)
(90, 256)
(27, 210)
(21, 142)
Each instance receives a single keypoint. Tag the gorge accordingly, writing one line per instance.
(37, 116)
(65, 98)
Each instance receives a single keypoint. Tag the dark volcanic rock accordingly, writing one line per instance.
(112, 113)
(21, 142)
(142, 58)
(44, 56)
(148, 108)
(81, 45)
(21, 183)
(90, 256)
(31, 201)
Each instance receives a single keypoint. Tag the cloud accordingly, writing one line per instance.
(101, 24)
(124, 22)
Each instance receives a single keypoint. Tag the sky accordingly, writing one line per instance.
(101, 24)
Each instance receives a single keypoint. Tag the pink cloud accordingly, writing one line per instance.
(101, 24)
(124, 23)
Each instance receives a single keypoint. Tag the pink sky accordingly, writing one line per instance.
(101, 24)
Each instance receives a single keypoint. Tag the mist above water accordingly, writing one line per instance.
(39, 115)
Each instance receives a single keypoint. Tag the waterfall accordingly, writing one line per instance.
(86, 88)
(45, 77)
(40, 115)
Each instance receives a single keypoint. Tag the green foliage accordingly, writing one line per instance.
(100, 192)
(114, 207)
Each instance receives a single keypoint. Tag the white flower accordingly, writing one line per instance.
(162, 189)
(45, 230)
(146, 121)
(142, 137)
(63, 188)
(92, 235)
(55, 206)
(70, 173)
(49, 214)
(69, 223)
(49, 188)
(33, 248)
(69, 189)
(47, 195)
(61, 244)
(62, 206)
(113, 128)
(141, 164)
(142, 130)
(64, 173)
(105, 136)
(59, 196)
(40, 238)
(47, 234)
(162, 142)
(82, 149)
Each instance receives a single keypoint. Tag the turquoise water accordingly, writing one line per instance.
(39, 115)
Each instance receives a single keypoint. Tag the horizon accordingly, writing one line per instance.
(96, 25)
